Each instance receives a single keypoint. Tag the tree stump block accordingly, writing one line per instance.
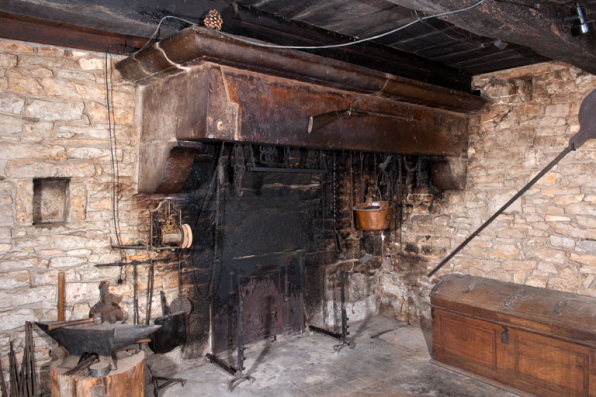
(127, 381)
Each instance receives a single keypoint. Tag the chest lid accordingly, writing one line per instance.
(539, 309)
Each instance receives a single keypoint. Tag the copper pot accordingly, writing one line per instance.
(373, 215)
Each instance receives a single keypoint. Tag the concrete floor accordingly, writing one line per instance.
(395, 363)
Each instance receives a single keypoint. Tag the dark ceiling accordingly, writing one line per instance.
(445, 51)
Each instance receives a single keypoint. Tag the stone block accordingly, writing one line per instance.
(564, 242)
(78, 202)
(15, 46)
(589, 260)
(97, 274)
(98, 114)
(10, 124)
(80, 310)
(11, 103)
(123, 99)
(73, 241)
(8, 61)
(19, 264)
(76, 292)
(92, 91)
(587, 246)
(91, 63)
(567, 280)
(16, 319)
(66, 261)
(44, 296)
(568, 199)
(45, 277)
(561, 110)
(581, 209)
(24, 201)
(555, 218)
(53, 111)
(95, 132)
(87, 153)
(33, 242)
(15, 279)
(40, 169)
(59, 88)
(39, 151)
(74, 75)
(504, 251)
(53, 51)
(24, 85)
(548, 254)
(103, 204)
(547, 267)
(47, 62)
(560, 191)
(42, 73)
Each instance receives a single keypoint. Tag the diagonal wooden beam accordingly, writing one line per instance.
(541, 29)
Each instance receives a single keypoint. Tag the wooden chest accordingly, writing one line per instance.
(516, 337)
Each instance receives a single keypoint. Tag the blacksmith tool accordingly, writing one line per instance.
(344, 322)
(86, 360)
(14, 371)
(319, 121)
(181, 303)
(166, 382)
(28, 376)
(336, 235)
(237, 372)
(172, 332)
(351, 201)
(61, 324)
(103, 339)
(587, 131)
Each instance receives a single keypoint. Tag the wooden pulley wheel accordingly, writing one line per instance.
(187, 236)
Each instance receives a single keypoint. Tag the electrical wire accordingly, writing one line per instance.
(320, 47)
(109, 92)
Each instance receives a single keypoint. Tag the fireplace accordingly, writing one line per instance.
(269, 197)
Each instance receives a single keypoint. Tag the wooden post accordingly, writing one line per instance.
(128, 380)
(61, 293)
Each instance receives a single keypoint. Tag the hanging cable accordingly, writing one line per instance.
(112, 142)
(350, 43)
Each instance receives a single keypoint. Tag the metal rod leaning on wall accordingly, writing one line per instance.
(587, 121)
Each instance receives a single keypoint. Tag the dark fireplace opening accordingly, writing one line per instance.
(270, 233)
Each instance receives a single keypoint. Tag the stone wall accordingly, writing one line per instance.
(54, 124)
(547, 238)
(56, 208)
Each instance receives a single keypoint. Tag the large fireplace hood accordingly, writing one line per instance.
(201, 86)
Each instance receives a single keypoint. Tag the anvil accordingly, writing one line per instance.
(103, 339)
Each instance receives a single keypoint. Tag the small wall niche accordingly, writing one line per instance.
(50, 200)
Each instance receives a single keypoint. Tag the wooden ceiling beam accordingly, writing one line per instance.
(58, 24)
(36, 30)
(541, 29)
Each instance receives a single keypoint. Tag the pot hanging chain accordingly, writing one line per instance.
(336, 235)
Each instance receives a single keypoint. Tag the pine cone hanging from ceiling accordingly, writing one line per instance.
(213, 20)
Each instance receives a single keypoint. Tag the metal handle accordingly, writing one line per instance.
(52, 327)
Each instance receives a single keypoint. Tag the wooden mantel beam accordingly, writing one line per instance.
(541, 29)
